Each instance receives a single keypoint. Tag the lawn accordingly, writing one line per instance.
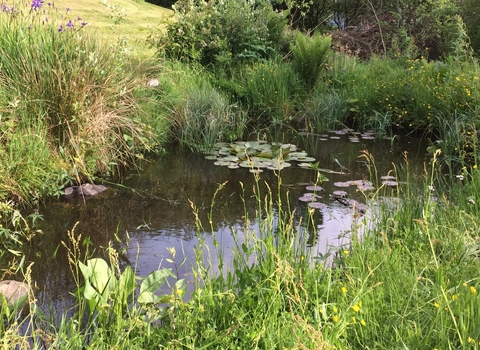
(118, 19)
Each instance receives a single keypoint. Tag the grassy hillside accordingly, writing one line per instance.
(135, 20)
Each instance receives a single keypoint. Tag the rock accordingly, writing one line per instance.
(153, 83)
(84, 190)
(15, 292)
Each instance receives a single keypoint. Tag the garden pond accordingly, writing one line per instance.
(151, 212)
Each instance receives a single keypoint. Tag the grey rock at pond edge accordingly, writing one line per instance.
(15, 292)
(85, 190)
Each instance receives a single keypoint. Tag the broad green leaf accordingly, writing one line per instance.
(155, 280)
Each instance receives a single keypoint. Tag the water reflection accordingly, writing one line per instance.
(152, 210)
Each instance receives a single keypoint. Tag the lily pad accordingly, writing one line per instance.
(314, 188)
(317, 205)
(342, 184)
(340, 194)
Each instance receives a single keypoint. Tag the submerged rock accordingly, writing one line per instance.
(16, 293)
(84, 190)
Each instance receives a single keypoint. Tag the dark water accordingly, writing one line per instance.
(151, 211)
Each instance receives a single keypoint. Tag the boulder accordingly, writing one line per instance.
(84, 190)
(15, 292)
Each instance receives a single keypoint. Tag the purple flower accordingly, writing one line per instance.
(61, 29)
(79, 18)
(68, 9)
(84, 24)
(36, 4)
(70, 24)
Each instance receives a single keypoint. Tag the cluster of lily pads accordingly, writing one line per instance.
(258, 155)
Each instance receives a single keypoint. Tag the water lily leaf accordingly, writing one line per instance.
(211, 157)
(314, 188)
(342, 184)
(305, 165)
(305, 159)
(265, 155)
(317, 205)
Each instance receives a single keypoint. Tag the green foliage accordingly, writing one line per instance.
(201, 114)
(271, 91)
(323, 111)
(310, 56)
(76, 96)
(222, 32)
(15, 228)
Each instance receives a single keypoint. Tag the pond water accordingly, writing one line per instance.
(151, 211)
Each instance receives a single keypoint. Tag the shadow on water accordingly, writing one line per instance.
(151, 211)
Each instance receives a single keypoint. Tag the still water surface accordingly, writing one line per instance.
(151, 211)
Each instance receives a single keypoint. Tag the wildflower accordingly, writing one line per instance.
(470, 340)
(180, 292)
(454, 297)
(475, 166)
(70, 24)
(354, 319)
(68, 9)
(335, 318)
(437, 305)
(356, 308)
(61, 29)
(465, 283)
(36, 4)
(346, 252)
(84, 24)
(363, 322)
(335, 309)
(344, 290)
(473, 290)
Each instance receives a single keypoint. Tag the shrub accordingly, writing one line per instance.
(222, 32)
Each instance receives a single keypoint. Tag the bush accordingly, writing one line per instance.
(222, 32)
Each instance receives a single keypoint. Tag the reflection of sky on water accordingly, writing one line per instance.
(158, 214)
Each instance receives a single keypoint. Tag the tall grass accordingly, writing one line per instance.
(57, 77)
(201, 115)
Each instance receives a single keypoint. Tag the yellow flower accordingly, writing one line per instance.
(437, 305)
(180, 292)
(363, 322)
(454, 297)
(335, 318)
(356, 308)
(475, 166)
(470, 340)
(354, 319)
(344, 290)
(346, 252)
(335, 309)
(473, 290)
(465, 283)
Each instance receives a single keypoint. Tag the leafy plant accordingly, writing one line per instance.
(221, 32)
(309, 57)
